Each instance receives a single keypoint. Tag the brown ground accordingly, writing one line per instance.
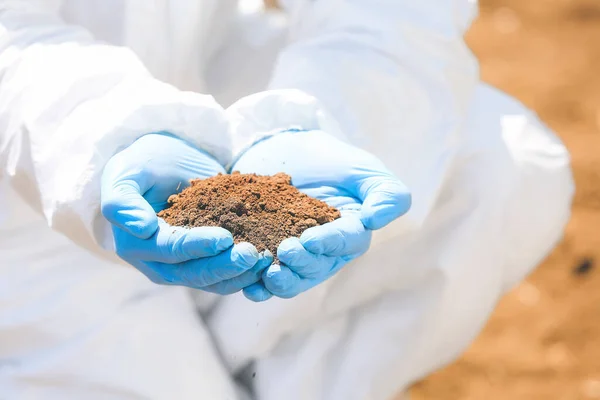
(543, 342)
(262, 210)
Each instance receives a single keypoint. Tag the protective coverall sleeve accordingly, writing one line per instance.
(352, 61)
(68, 103)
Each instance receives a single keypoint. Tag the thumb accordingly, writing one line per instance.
(123, 205)
(384, 198)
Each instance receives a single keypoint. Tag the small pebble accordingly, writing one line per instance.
(584, 267)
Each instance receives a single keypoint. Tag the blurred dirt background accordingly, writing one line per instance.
(543, 342)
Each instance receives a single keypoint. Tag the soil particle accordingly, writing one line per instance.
(262, 210)
(584, 267)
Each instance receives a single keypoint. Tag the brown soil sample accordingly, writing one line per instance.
(262, 210)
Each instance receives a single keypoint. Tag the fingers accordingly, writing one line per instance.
(122, 205)
(257, 293)
(208, 271)
(316, 256)
(122, 202)
(344, 236)
(300, 269)
(172, 245)
(384, 198)
(198, 258)
(301, 261)
(244, 280)
(283, 282)
(315, 253)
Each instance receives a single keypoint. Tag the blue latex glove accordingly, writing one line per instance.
(346, 177)
(136, 183)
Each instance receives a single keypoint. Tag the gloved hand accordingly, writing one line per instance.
(136, 183)
(368, 196)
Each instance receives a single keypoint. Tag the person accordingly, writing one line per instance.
(373, 106)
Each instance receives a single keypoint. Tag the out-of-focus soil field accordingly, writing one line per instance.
(543, 342)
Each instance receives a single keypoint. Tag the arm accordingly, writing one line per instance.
(68, 103)
(377, 67)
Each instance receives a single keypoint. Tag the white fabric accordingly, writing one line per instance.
(75, 327)
(491, 189)
(78, 96)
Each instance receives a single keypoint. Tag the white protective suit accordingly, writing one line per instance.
(81, 79)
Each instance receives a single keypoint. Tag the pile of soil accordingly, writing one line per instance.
(262, 210)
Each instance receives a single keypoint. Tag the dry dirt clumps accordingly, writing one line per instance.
(262, 210)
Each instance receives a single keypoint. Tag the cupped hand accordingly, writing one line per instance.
(356, 182)
(136, 183)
